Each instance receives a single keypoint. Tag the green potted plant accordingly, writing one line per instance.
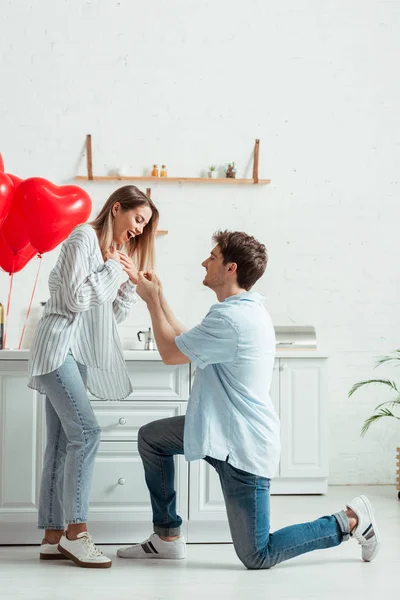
(389, 408)
(211, 171)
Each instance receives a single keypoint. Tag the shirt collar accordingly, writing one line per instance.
(248, 296)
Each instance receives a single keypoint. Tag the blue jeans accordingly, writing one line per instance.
(73, 436)
(247, 502)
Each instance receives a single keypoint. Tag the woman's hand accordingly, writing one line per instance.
(111, 253)
(129, 267)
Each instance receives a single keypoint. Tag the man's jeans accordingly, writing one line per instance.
(247, 502)
(73, 436)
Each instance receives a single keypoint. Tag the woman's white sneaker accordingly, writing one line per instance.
(83, 552)
(366, 531)
(155, 547)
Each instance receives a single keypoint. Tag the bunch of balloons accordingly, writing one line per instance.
(36, 216)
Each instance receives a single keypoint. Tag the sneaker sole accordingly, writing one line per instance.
(52, 557)
(81, 563)
(368, 506)
(150, 556)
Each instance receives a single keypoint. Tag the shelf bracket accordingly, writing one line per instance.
(255, 163)
(89, 156)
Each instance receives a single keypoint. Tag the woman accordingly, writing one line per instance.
(76, 346)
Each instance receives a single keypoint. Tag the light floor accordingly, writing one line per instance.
(212, 571)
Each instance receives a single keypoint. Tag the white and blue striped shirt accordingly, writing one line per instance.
(86, 303)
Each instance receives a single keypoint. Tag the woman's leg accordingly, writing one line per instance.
(51, 509)
(66, 392)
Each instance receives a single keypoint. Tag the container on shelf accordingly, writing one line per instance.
(163, 171)
(154, 172)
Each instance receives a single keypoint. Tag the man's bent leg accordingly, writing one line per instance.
(158, 443)
(247, 501)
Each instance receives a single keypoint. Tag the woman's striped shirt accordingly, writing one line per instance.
(86, 303)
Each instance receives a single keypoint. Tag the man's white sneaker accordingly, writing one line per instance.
(83, 552)
(155, 547)
(50, 552)
(366, 531)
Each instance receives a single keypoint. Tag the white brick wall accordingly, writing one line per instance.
(192, 83)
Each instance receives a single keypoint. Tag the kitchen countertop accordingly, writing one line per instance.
(154, 355)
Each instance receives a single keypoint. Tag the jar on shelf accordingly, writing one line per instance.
(163, 171)
(154, 172)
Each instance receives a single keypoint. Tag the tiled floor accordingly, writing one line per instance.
(214, 572)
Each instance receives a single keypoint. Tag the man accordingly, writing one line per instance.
(230, 420)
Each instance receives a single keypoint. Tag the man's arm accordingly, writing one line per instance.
(172, 320)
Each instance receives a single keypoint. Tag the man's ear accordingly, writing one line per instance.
(232, 268)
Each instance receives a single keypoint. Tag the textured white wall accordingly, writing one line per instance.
(190, 83)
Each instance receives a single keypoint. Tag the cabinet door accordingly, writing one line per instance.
(21, 449)
(20, 453)
(207, 514)
(303, 417)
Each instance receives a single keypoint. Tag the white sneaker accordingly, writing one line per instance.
(83, 552)
(366, 531)
(155, 547)
(50, 552)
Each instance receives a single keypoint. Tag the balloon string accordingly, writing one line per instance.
(30, 303)
(8, 304)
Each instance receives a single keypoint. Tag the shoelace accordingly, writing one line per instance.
(90, 546)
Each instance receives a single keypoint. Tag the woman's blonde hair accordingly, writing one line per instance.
(140, 248)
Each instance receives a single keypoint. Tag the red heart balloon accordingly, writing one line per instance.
(51, 212)
(6, 196)
(14, 229)
(16, 180)
(13, 262)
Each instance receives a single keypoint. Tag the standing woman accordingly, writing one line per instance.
(76, 346)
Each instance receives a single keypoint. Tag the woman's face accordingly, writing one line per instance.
(129, 223)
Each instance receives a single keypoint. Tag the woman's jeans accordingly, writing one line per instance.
(247, 502)
(73, 436)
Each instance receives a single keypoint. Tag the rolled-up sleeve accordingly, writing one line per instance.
(124, 301)
(214, 341)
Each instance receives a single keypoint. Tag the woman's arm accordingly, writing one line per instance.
(124, 301)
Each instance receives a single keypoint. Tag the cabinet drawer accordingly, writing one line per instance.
(119, 485)
(154, 380)
(118, 479)
(122, 420)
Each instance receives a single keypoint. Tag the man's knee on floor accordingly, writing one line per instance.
(255, 561)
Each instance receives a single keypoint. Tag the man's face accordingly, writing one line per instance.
(216, 271)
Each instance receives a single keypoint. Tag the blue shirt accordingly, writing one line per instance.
(230, 415)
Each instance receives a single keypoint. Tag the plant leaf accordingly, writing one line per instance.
(382, 413)
(387, 382)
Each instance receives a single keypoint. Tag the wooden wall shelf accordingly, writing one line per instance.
(228, 180)
(175, 179)
(161, 231)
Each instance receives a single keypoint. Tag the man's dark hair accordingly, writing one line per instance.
(244, 250)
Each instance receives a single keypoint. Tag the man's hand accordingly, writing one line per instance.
(129, 267)
(151, 276)
(147, 289)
